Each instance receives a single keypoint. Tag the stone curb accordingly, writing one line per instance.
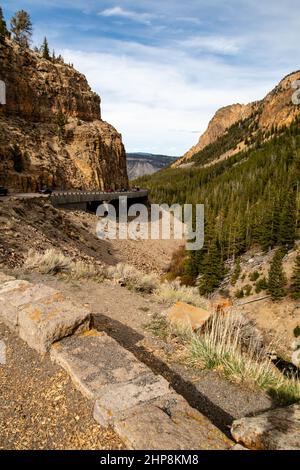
(140, 406)
(39, 314)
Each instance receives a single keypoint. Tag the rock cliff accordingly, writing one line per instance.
(51, 131)
(275, 110)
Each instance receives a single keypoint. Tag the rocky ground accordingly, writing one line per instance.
(35, 224)
(40, 408)
(121, 313)
(124, 315)
(276, 319)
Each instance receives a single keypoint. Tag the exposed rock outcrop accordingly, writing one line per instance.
(276, 109)
(277, 429)
(51, 131)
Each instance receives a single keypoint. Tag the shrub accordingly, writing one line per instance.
(49, 262)
(297, 331)
(247, 290)
(261, 285)
(236, 272)
(174, 291)
(254, 276)
(132, 278)
(55, 262)
(239, 294)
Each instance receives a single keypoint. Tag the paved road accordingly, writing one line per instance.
(71, 193)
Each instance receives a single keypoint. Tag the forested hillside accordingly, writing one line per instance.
(251, 198)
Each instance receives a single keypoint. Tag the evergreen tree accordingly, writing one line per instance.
(21, 27)
(251, 198)
(288, 220)
(3, 29)
(213, 269)
(236, 272)
(276, 279)
(45, 50)
(295, 287)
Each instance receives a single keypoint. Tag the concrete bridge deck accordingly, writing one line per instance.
(91, 199)
(68, 197)
(83, 200)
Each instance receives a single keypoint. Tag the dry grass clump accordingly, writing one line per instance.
(55, 262)
(50, 262)
(231, 345)
(132, 278)
(174, 291)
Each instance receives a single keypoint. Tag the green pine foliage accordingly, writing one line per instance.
(236, 272)
(21, 28)
(295, 287)
(261, 285)
(277, 279)
(3, 29)
(251, 199)
(45, 51)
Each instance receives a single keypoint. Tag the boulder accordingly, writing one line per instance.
(277, 429)
(169, 423)
(188, 315)
(39, 314)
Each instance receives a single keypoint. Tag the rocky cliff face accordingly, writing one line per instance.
(276, 109)
(51, 132)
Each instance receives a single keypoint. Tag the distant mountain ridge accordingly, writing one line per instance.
(141, 163)
(239, 127)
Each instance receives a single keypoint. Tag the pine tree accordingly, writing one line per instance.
(21, 27)
(213, 269)
(295, 287)
(45, 50)
(3, 29)
(288, 220)
(276, 279)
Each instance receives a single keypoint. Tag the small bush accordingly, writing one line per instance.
(236, 272)
(261, 285)
(254, 276)
(297, 331)
(247, 290)
(50, 262)
(132, 278)
(55, 262)
(239, 294)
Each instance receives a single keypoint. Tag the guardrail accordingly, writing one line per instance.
(72, 197)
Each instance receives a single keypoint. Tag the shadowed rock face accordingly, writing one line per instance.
(277, 429)
(81, 152)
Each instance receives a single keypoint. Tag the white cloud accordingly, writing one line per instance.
(144, 18)
(148, 93)
(212, 44)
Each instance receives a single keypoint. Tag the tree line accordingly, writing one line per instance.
(252, 198)
(21, 32)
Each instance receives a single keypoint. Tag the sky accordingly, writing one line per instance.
(164, 67)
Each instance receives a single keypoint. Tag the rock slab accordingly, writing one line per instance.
(139, 405)
(39, 314)
(188, 315)
(277, 429)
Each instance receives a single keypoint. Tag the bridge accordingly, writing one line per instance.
(90, 200)
(84, 200)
